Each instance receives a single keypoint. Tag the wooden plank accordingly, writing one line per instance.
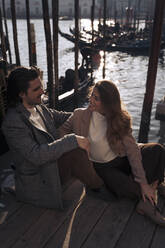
(3, 215)
(79, 224)
(16, 226)
(109, 228)
(39, 233)
(138, 233)
(11, 205)
(159, 238)
(8, 199)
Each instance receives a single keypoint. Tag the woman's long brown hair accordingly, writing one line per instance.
(118, 119)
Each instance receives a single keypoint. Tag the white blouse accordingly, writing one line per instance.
(100, 150)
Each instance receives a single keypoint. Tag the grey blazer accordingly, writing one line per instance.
(35, 153)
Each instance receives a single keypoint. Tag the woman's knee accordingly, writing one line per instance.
(152, 147)
(159, 147)
(76, 153)
(79, 153)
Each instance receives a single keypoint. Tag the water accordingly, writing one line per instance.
(127, 72)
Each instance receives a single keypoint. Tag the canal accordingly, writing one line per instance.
(126, 71)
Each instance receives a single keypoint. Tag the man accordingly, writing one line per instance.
(43, 161)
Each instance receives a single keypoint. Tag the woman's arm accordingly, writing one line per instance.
(135, 160)
(67, 127)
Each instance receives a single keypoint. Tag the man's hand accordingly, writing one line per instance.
(83, 143)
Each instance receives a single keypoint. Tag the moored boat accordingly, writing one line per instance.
(67, 91)
(135, 43)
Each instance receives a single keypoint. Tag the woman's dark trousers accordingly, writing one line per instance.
(118, 177)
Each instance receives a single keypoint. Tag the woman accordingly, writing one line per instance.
(127, 169)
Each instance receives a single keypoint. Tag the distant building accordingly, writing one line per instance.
(35, 8)
(139, 7)
(66, 8)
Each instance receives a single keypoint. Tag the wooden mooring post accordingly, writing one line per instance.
(92, 18)
(55, 16)
(14, 24)
(115, 12)
(33, 44)
(2, 37)
(6, 31)
(152, 71)
(122, 16)
(104, 34)
(92, 27)
(76, 5)
(31, 37)
(51, 88)
(138, 15)
(29, 32)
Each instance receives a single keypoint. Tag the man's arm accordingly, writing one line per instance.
(21, 140)
(59, 117)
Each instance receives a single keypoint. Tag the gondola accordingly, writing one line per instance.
(81, 43)
(138, 47)
(81, 35)
(65, 18)
(66, 100)
(67, 93)
(123, 44)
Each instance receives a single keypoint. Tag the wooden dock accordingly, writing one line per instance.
(86, 222)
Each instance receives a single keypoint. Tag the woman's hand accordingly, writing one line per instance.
(148, 192)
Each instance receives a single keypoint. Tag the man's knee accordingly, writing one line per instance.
(79, 151)
(77, 155)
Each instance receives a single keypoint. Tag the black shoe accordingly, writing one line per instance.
(101, 193)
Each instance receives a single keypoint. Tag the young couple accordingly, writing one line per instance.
(94, 144)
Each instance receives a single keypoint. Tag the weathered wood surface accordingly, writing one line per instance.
(159, 237)
(112, 224)
(85, 222)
